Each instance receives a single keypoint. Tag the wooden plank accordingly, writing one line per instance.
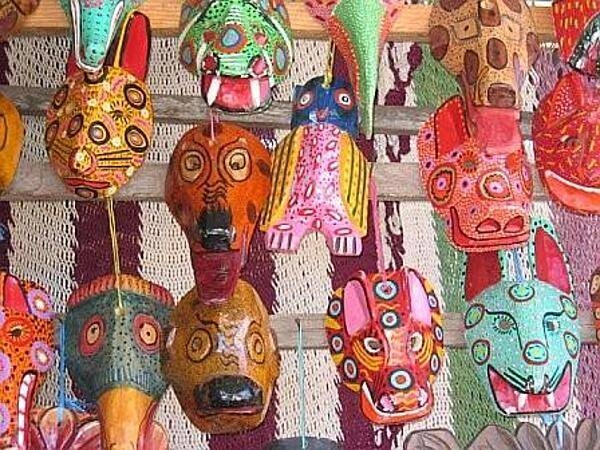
(38, 182)
(286, 330)
(412, 24)
(394, 120)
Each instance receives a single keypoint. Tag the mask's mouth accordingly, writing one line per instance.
(392, 409)
(24, 401)
(229, 394)
(512, 400)
(90, 56)
(571, 194)
(236, 94)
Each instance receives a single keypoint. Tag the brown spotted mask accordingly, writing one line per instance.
(222, 361)
(216, 188)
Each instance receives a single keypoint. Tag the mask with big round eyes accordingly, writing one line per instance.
(99, 125)
(216, 189)
(222, 361)
(26, 354)
(386, 338)
(114, 359)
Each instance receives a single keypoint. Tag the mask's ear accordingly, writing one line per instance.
(419, 303)
(547, 256)
(450, 126)
(131, 51)
(483, 270)
(356, 309)
(11, 294)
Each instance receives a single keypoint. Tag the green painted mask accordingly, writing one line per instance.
(524, 335)
(240, 49)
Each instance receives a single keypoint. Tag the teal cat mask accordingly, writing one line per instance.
(523, 335)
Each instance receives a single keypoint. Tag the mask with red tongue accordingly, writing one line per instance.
(385, 336)
(523, 334)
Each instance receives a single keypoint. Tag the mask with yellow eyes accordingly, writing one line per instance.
(99, 125)
(222, 361)
(216, 187)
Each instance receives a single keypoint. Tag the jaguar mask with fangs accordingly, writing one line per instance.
(523, 334)
(26, 354)
(385, 336)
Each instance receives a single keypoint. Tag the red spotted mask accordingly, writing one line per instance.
(26, 353)
(566, 127)
(483, 195)
(385, 336)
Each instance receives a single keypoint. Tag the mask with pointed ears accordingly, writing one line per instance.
(483, 196)
(386, 338)
(26, 354)
(99, 126)
(96, 25)
(523, 334)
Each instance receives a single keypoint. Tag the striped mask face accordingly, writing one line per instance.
(386, 338)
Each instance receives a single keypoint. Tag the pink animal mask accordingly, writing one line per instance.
(566, 127)
(482, 192)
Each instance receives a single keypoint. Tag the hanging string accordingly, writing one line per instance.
(518, 265)
(120, 310)
(376, 231)
(302, 398)
(213, 119)
(328, 78)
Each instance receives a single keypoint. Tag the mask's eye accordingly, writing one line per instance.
(192, 165)
(237, 164)
(135, 96)
(552, 325)
(91, 337)
(19, 332)
(401, 380)
(441, 184)
(495, 186)
(75, 125)
(199, 345)
(98, 133)
(372, 345)
(256, 347)
(146, 331)
(136, 139)
(344, 99)
(416, 342)
(504, 323)
(305, 100)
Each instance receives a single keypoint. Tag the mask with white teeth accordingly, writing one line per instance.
(26, 354)
(523, 333)
(385, 336)
(240, 49)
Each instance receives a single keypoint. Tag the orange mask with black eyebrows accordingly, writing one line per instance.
(216, 188)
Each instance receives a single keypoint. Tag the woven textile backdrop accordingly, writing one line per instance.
(62, 245)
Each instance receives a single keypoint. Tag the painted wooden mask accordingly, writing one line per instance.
(114, 357)
(489, 45)
(216, 189)
(99, 126)
(96, 26)
(11, 141)
(577, 26)
(359, 28)
(240, 49)
(321, 178)
(523, 335)
(11, 10)
(222, 361)
(26, 354)
(483, 197)
(386, 338)
(565, 128)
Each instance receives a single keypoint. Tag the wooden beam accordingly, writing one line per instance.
(39, 182)
(286, 329)
(393, 120)
(412, 24)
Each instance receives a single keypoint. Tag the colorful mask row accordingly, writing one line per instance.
(385, 336)
(216, 187)
(222, 360)
(484, 197)
(10, 12)
(359, 28)
(523, 334)
(321, 178)
(113, 357)
(577, 27)
(96, 26)
(26, 354)
(240, 49)
(99, 125)
(565, 129)
(11, 141)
